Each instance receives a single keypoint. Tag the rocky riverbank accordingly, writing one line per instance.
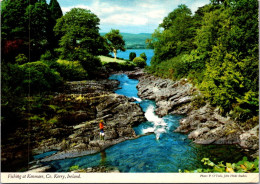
(85, 103)
(203, 124)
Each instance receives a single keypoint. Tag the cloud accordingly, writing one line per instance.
(149, 13)
(195, 5)
(125, 19)
(67, 9)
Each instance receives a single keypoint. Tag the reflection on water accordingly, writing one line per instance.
(171, 152)
(103, 158)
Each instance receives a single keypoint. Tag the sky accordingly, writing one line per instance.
(130, 16)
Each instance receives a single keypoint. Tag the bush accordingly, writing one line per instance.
(243, 166)
(140, 62)
(74, 167)
(38, 77)
(114, 66)
(132, 55)
(71, 70)
(12, 102)
(173, 68)
(91, 64)
(21, 59)
(143, 55)
(48, 56)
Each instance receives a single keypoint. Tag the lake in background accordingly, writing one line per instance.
(125, 55)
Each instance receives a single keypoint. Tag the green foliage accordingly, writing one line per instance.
(140, 62)
(143, 55)
(71, 70)
(47, 56)
(74, 167)
(177, 36)
(12, 102)
(243, 166)
(55, 9)
(132, 55)
(91, 64)
(41, 28)
(174, 68)
(115, 41)
(79, 34)
(24, 19)
(21, 59)
(198, 101)
(116, 66)
(217, 49)
(169, 21)
(135, 41)
(38, 78)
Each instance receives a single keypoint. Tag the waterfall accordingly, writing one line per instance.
(159, 125)
(137, 99)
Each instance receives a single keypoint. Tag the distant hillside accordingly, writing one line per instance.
(134, 41)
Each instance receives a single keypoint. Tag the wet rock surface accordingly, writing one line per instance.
(204, 125)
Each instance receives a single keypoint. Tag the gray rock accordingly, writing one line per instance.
(205, 125)
(250, 139)
(194, 134)
(40, 169)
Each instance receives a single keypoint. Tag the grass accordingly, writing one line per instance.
(105, 59)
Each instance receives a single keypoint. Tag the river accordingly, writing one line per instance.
(163, 150)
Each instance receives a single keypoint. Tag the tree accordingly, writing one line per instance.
(174, 36)
(56, 13)
(41, 29)
(143, 55)
(79, 34)
(132, 55)
(24, 19)
(14, 29)
(55, 9)
(115, 41)
(139, 62)
(169, 21)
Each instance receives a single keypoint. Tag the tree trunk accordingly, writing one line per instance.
(115, 51)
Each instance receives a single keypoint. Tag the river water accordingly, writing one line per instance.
(162, 150)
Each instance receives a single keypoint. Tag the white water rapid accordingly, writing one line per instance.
(159, 125)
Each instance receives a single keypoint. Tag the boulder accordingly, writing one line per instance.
(250, 139)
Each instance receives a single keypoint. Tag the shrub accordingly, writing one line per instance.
(243, 166)
(140, 62)
(173, 68)
(132, 55)
(143, 55)
(38, 77)
(74, 167)
(21, 59)
(71, 70)
(11, 91)
(91, 64)
(48, 56)
(114, 66)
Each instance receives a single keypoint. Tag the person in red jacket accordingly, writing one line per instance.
(101, 126)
